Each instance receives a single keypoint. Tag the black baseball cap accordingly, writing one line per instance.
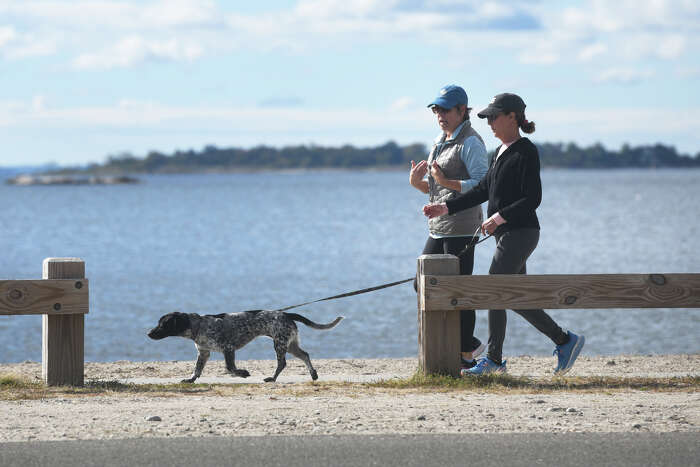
(503, 103)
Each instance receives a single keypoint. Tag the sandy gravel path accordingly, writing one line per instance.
(336, 405)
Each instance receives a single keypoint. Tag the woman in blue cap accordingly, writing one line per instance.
(513, 189)
(456, 163)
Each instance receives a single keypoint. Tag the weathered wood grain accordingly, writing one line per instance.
(438, 330)
(39, 297)
(522, 292)
(63, 336)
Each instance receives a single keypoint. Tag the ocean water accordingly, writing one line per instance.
(222, 243)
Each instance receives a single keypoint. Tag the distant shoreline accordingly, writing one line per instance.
(381, 157)
(138, 176)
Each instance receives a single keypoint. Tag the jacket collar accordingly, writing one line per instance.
(462, 128)
(509, 149)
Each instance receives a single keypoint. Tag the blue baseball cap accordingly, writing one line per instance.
(450, 96)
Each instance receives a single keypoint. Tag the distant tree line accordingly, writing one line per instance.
(596, 156)
(214, 159)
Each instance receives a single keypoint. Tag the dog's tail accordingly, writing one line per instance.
(311, 324)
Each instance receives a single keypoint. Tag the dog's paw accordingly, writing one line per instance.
(188, 380)
(242, 373)
(269, 379)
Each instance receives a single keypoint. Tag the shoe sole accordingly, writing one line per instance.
(574, 355)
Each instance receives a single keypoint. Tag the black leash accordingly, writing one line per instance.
(348, 294)
(383, 286)
(473, 244)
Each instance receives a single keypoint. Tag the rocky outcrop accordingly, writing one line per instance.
(24, 180)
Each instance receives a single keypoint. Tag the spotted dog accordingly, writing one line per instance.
(229, 332)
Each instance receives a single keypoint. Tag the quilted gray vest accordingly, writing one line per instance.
(463, 223)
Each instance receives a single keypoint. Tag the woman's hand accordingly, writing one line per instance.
(418, 171)
(416, 175)
(440, 178)
(435, 210)
(491, 224)
(437, 173)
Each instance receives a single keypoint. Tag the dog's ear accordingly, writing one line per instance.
(180, 323)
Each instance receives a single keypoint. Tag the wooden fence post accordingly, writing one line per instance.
(438, 330)
(63, 336)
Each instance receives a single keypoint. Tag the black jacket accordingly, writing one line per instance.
(512, 187)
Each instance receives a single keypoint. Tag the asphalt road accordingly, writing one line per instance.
(524, 449)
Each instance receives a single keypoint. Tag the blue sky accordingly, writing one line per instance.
(81, 80)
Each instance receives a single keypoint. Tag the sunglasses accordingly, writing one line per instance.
(439, 110)
(492, 118)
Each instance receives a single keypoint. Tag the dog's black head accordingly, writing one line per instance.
(172, 324)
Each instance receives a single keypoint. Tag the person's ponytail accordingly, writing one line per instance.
(524, 124)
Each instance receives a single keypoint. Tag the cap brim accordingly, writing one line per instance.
(442, 102)
(489, 111)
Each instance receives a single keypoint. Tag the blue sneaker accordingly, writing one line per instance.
(485, 366)
(568, 353)
(471, 362)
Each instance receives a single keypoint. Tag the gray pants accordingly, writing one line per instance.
(512, 251)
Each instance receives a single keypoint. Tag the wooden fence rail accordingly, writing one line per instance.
(42, 297)
(443, 292)
(62, 297)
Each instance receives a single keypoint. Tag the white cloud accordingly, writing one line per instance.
(108, 34)
(119, 15)
(631, 15)
(334, 9)
(32, 48)
(542, 55)
(128, 113)
(133, 50)
(592, 51)
(619, 31)
(402, 103)
(688, 72)
(177, 30)
(38, 103)
(671, 46)
(7, 34)
(182, 13)
(281, 102)
(623, 76)
(589, 18)
(493, 9)
(15, 45)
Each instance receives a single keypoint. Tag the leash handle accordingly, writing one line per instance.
(473, 244)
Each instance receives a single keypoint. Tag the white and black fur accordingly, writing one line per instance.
(229, 332)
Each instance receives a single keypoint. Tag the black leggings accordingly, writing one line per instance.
(453, 246)
(513, 248)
